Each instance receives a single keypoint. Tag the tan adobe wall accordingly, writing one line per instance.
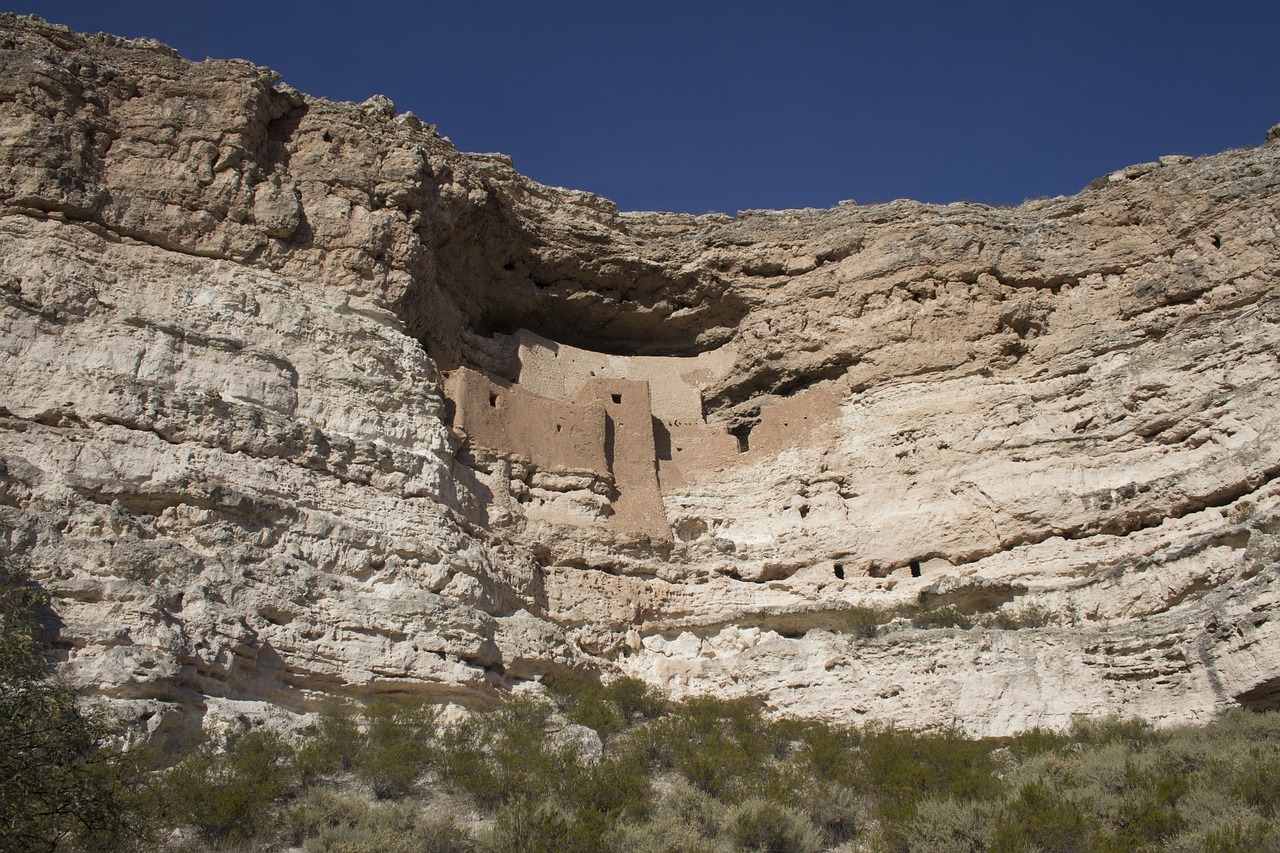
(629, 449)
(795, 421)
(559, 371)
(550, 433)
(685, 449)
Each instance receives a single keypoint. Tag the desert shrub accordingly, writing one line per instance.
(527, 826)
(503, 755)
(396, 745)
(943, 617)
(684, 819)
(333, 745)
(320, 809)
(863, 622)
(1027, 616)
(1032, 742)
(1147, 814)
(326, 822)
(722, 747)
(615, 786)
(583, 699)
(636, 699)
(231, 794)
(1257, 781)
(1240, 837)
(59, 779)
(1097, 731)
(769, 827)
(899, 768)
(1039, 818)
(604, 707)
(948, 825)
(825, 751)
(839, 812)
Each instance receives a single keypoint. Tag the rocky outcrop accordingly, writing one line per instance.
(300, 400)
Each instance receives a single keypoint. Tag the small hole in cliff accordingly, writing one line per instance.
(838, 568)
(743, 434)
(804, 511)
(915, 568)
(617, 398)
(557, 427)
(493, 400)
(1216, 240)
(326, 136)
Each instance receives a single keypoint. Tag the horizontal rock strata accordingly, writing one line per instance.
(299, 400)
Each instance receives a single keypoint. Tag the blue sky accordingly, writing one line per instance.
(697, 106)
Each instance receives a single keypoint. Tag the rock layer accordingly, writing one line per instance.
(252, 339)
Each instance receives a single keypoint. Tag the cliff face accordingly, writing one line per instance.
(297, 399)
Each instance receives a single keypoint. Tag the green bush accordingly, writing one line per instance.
(59, 780)
(231, 794)
(525, 826)
(333, 745)
(604, 707)
(722, 747)
(396, 746)
(503, 755)
(583, 700)
(768, 827)
(326, 822)
(1039, 818)
(900, 768)
(948, 825)
(862, 622)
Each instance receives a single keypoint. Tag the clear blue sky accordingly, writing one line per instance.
(697, 106)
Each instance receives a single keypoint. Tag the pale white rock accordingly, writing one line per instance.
(300, 401)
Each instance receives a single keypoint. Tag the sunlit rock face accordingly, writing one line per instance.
(298, 400)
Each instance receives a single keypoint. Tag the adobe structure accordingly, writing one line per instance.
(632, 428)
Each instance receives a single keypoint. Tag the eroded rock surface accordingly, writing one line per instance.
(298, 399)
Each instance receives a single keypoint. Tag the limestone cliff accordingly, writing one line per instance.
(297, 400)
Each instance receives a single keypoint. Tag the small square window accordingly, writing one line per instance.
(617, 398)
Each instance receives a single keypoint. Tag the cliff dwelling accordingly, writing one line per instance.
(630, 428)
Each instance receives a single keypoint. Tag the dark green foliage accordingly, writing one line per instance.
(705, 775)
(230, 794)
(395, 747)
(899, 768)
(503, 755)
(1040, 818)
(526, 826)
(722, 747)
(606, 708)
(59, 780)
(1258, 780)
(582, 698)
(770, 827)
(1129, 731)
(334, 744)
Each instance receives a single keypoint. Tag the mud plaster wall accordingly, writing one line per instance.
(552, 434)
(616, 428)
(559, 372)
(630, 450)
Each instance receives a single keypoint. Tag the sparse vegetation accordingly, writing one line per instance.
(61, 780)
(704, 775)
